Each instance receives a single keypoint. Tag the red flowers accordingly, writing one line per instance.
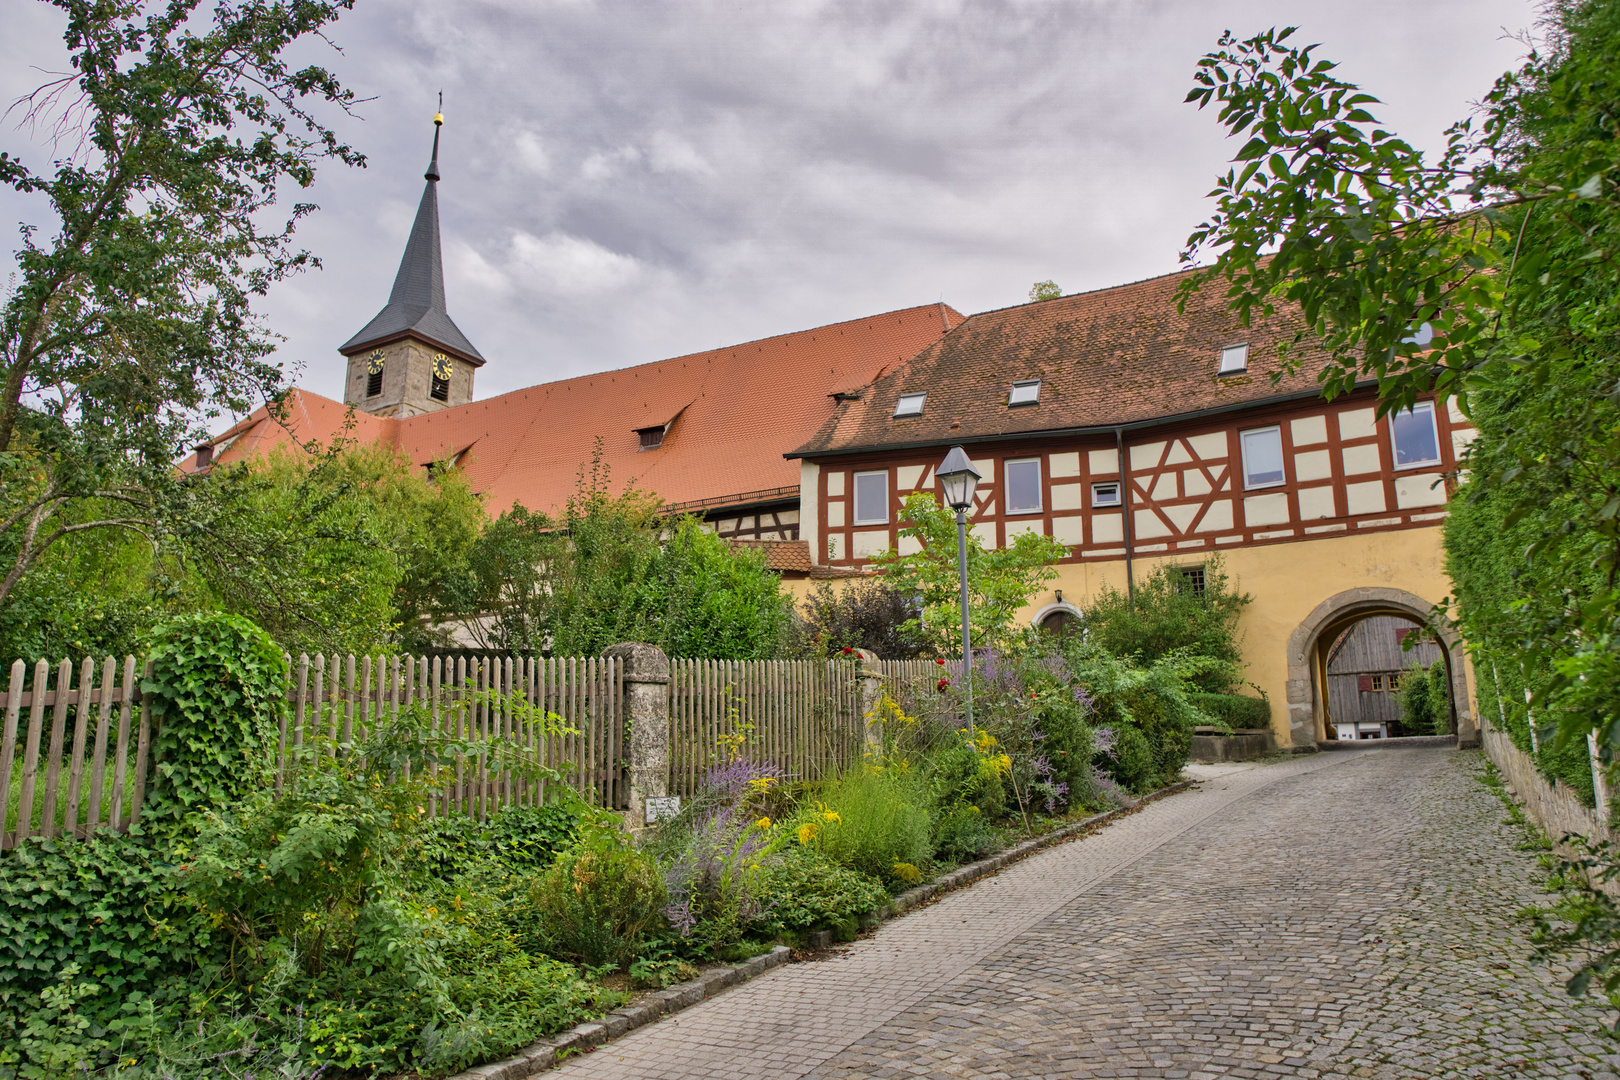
(848, 651)
(944, 685)
(940, 661)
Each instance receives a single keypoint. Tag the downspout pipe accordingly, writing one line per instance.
(1125, 510)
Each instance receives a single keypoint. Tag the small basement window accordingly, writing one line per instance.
(1024, 486)
(1027, 392)
(1192, 579)
(1105, 494)
(872, 498)
(1234, 360)
(910, 405)
(1413, 434)
(1263, 458)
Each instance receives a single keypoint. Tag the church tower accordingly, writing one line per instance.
(411, 358)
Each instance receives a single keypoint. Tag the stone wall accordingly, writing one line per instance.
(1549, 803)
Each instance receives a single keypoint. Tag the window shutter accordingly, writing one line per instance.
(1364, 683)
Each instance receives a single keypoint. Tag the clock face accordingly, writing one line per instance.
(374, 363)
(442, 367)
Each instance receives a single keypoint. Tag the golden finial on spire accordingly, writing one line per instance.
(438, 117)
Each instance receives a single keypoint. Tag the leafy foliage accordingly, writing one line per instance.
(218, 689)
(1166, 615)
(1488, 274)
(600, 897)
(1233, 710)
(810, 892)
(1425, 700)
(615, 568)
(870, 614)
(131, 325)
(1000, 582)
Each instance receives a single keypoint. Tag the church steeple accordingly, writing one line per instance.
(415, 315)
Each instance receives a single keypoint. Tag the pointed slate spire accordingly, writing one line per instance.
(416, 305)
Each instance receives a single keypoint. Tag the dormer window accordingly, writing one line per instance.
(1027, 392)
(1234, 360)
(651, 437)
(910, 405)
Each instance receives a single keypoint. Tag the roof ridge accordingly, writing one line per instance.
(1086, 292)
(547, 386)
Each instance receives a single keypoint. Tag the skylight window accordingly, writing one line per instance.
(1027, 392)
(1234, 360)
(910, 405)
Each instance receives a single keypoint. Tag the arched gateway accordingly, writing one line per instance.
(1307, 685)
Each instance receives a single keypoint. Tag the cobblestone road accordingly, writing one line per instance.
(1342, 915)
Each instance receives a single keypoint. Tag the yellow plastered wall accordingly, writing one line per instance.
(1287, 582)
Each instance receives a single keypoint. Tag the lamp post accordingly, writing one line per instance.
(958, 477)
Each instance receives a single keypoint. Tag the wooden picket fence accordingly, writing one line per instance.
(76, 750)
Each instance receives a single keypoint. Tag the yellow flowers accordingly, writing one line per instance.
(807, 832)
(763, 823)
(761, 784)
(907, 873)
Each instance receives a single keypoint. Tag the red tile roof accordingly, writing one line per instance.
(1115, 356)
(736, 411)
(783, 556)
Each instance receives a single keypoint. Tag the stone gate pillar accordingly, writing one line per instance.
(646, 713)
(870, 680)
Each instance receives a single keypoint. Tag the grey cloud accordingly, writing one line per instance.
(625, 181)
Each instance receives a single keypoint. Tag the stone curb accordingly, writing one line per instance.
(966, 875)
(548, 1053)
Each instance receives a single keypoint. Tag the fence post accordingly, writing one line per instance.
(645, 714)
(869, 677)
(1600, 780)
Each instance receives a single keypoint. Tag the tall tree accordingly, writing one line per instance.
(1491, 274)
(131, 322)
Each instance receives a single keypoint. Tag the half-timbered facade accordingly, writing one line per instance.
(1137, 434)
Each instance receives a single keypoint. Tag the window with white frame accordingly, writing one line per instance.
(1024, 486)
(1413, 433)
(910, 405)
(1027, 392)
(1234, 360)
(1105, 493)
(872, 498)
(1262, 458)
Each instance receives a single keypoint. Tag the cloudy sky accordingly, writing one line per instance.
(627, 180)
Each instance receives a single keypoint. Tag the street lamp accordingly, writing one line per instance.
(958, 477)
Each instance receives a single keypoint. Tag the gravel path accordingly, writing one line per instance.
(1340, 915)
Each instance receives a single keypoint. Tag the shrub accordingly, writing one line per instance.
(1167, 614)
(869, 614)
(518, 838)
(963, 833)
(1234, 710)
(218, 687)
(871, 819)
(87, 927)
(1148, 710)
(600, 897)
(810, 892)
